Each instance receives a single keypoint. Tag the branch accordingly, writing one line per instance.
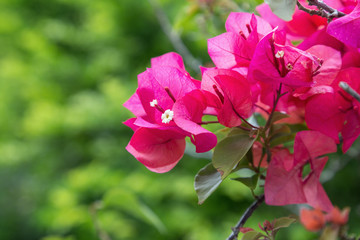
(349, 90)
(245, 217)
(174, 37)
(324, 10)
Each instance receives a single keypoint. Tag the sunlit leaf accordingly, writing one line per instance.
(283, 222)
(231, 150)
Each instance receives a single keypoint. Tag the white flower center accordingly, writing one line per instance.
(153, 103)
(279, 54)
(167, 116)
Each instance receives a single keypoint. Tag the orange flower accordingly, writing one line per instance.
(337, 217)
(313, 220)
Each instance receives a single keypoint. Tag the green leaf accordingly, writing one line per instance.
(252, 235)
(250, 182)
(279, 134)
(231, 150)
(284, 9)
(206, 182)
(283, 222)
(278, 116)
(261, 121)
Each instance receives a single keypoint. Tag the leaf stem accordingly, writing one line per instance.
(278, 96)
(247, 214)
(208, 122)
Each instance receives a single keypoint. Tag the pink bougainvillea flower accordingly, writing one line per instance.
(347, 28)
(236, 47)
(275, 63)
(338, 112)
(233, 92)
(166, 115)
(284, 183)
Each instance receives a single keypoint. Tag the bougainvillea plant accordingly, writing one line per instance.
(262, 89)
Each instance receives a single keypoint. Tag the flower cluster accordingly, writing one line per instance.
(258, 69)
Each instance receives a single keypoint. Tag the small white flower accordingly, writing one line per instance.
(153, 103)
(167, 116)
(279, 54)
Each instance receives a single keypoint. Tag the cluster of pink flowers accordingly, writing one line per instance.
(258, 68)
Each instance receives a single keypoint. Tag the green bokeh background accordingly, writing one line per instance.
(66, 68)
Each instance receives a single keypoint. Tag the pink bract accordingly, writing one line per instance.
(233, 92)
(347, 28)
(236, 47)
(158, 150)
(338, 112)
(275, 63)
(284, 183)
(166, 114)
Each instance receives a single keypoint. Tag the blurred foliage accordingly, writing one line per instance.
(66, 69)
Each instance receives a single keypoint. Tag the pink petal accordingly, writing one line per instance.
(187, 116)
(315, 193)
(134, 105)
(236, 23)
(351, 130)
(170, 59)
(158, 150)
(322, 114)
(311, 144)
(347, 28)
(237, 98)
(283, 186)
(229, 50)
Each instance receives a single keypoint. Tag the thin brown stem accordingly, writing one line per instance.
(244, 128)
(278, 96)
(208, 122)
(260, 107)
(247, 214)
(323, 10)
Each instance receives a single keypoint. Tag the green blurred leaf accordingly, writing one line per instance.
(231, 150)
(283, 222)
(250, 182)
(252, 235)
(126, 200)
(280, 133)
(278, 116)
(261, 121)
(206, 182)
